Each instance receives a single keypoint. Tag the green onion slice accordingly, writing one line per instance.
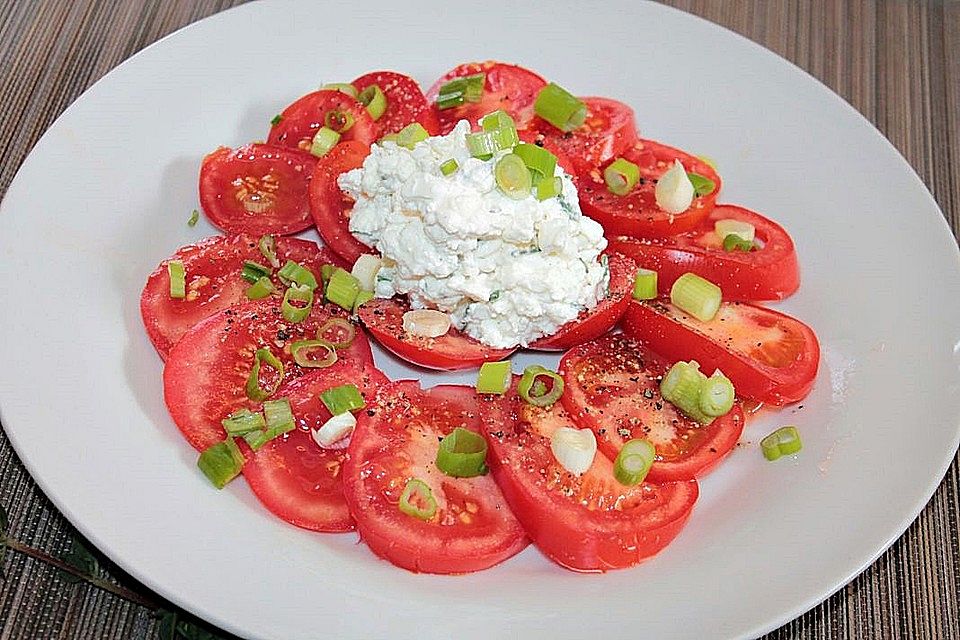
(540, 395)
(549, 187)
(621, 176)
(702, 185)
(279, 417)
(243, 421)
(324, 140)
(785, 441)
(342, 289)
(494, 377)
(307, 353)
(484, 144)
(696, 296)
(268, 247)
(560, 108)
(325, 272)
(260, 289)
(178, 279)
(462, 454)
(341, 399)
(537, 159)
(460, 90)
(275, 120)
(411, 134)
(645, 285)
(337, 332)
(297, 293)
(342, 87)
(194, 217)
(634, 461)
(292, 273)
(681, 387)
(716, 395)
(253, 271)
(513, 177)
(362, 298)
(221, 462)
(339, 121)
(375, 100)
(449, 167)
(503, 125)
(417, 500)
(733, 242)
(254, 390)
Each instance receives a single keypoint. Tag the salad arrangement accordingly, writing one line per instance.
(495, 212)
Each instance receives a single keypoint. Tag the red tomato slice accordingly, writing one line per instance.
(206, 371)
(395, 441)
(213, 269)
(607, 133)
(770, 272)
(612, 386)
(506, 86)
(292, 475)
(300, 121)
(597, 321)
(331, 207)
(452, 351)
(585, 523)
(637, 214)
(770, 357)
(256, 189)
(406, 103)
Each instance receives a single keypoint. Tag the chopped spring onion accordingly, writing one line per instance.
(645, 285)
(342, 87)
(449, 167)
(560, 108)
(716, 395)
(543, 396)
(494, 377)
(426, 323)
(342, 399)
(537, 159)
(621, 176)
(411, 134)
(194, 217)
(335, 429)
(513, 177)
(178, 279)
(702, 185)
(297, 293)
(365, 271)
(674, 192)
(460, 90)
(417, 500)
(728, 226)
(293, 273)
(337, 332)
(342, 289)
(279, 417)
(484, 144)
(253, 271)
(501, 122)
(339, 121)
(362, 298)
(268, 247)
(221, 462)
(325, 272)
(681, 387)
(324, 140)
(260, 289)
(733, 242)
(697, 296)
(634, 461)
(375, 100)
(254, 390)
(574, 449)
(549, 187)
(243, 421)
(275, 120)
(785, 441)
(462, 454)
(306, 353)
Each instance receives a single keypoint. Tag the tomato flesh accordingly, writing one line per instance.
(406, 103)
(301, 120)
(396, 440)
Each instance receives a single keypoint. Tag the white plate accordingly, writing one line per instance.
(105, 195)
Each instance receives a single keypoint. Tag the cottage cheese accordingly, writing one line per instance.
(507, 271)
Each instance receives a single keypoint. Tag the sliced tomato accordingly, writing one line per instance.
(769, 272)
(395, 441)
(608, 131)
(452, 351)
(637, 214)
(506, 86)
(300, 121)
(331, 207)
(585, 523)
(597, 321)
(206, 371)
(293, 476)
(213, 269)
(769, 356)
(256, 189)
(406, 103)
(612, 386)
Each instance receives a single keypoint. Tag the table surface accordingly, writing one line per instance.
(889, 58)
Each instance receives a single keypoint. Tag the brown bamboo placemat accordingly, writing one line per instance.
(896, 61)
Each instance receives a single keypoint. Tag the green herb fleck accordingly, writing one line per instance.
(194, 217)
(276, 120)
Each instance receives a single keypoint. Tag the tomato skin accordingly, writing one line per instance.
(506, 86)
(775, 372)
(301, 120)
(599, 320)
(331, 207)
(637, 214)
(292, 475)
(406, 103)
(383, 318)
(612, 386)
(256, 189)
(396, 439)
(769, 273)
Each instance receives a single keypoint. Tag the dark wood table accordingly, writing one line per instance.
(897, 62)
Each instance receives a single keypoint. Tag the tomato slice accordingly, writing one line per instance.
(608, 131)
(206, 371)
(770, 272)
(612, 386)
(256, 189)
(452, 351)
(597, 321)
(300, 121)
(769, 356)
(506, 86)
(585, 523)
(213, 269)
(292, 475)
(395, 441)
(331, 207)
(406, 103)
(637, 214)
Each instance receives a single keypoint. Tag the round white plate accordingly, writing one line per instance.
(105, 196)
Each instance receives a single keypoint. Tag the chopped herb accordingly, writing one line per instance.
(194, 217)
(276, 120)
